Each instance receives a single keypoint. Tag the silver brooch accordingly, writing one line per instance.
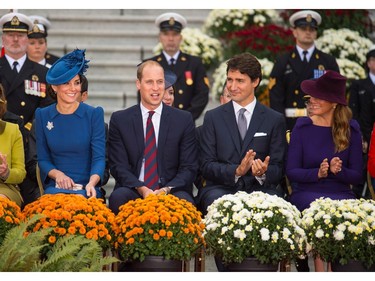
(49, 125)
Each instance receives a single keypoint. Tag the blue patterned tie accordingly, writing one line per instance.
(151, 178)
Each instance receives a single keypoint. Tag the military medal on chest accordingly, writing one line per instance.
(34, 87)
(189, 78)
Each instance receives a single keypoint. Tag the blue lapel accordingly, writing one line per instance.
(138, 129)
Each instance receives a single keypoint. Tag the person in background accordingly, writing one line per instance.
(37, 48)
(70, 135)
(12, 157)
(24, 81)
(225, 95)
(170, 80)
(305, 61)
(362, 104)
(152, 147)
(325, 150)
(192, 85)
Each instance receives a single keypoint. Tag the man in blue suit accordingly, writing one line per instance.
(229, 162)
(177, 159)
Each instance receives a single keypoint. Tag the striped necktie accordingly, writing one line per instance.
(151, 178)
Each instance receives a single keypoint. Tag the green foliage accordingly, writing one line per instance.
(21, 253)
(76, 254)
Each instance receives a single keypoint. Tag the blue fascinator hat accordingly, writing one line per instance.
(170, 78)
(68, 66)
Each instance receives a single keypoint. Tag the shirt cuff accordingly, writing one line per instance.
(236, 178)
(261, 179)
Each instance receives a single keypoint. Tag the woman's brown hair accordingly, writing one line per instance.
(341, 127)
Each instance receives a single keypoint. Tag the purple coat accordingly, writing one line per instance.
(309, 145)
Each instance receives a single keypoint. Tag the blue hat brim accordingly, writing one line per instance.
(170, 78)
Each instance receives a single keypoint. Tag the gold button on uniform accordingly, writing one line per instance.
(180, 92)
(180, 106)
(296, 92)
(23, 103)
(21, 116)
(294, 104)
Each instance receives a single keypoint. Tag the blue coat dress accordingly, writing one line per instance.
(72, 143)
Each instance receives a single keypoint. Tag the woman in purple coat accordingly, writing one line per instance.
(325, 150)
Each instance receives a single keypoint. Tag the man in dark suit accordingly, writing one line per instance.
(176, 156)
(242, 142)
(304, 62)
(192, 86)
(230, 162)
(24, 81)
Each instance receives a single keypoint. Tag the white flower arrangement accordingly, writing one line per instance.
(196, 43)
(344, 44)
(220, 76)
(341, 230)
(257, 225)
(351, 69)
(219, 22)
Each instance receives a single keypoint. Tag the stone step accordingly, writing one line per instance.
(105, 52)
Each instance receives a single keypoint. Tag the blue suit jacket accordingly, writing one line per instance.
(177, 148)
(221, 149)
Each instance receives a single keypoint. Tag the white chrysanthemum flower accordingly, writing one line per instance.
(265, 234)
(240, 234)
(319, 233)
(338, 235)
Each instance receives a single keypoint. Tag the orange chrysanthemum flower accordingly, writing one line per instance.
(159, 225)
(10, 216)
(71, 214)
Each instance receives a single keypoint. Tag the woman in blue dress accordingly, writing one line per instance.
(70, 135)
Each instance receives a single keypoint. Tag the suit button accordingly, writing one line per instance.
(296, 92)
(21, 116)
(180, 92)
(294, 104)
(23, 103)
(180, 106)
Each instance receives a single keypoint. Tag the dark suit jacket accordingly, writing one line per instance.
(177, 148)
(287, 74)
(221, 149)
(19, 102)
(362, 103)
(191, 95)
